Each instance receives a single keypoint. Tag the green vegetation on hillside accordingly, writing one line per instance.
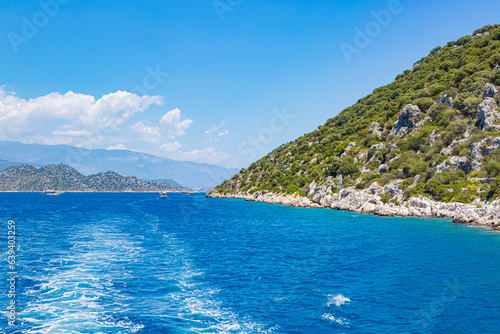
(440, 150)
(64, 178)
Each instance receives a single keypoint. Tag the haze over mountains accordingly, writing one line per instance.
(128, 163)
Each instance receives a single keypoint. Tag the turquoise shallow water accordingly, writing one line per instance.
(133, 263)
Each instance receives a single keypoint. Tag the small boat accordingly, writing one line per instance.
(53, 192)
(163, 194)
(186, 193)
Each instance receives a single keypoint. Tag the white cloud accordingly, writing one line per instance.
(72, 133)
(116, 147)
(65, 119)
(210, 134)
(172, 124)
(170, 146)
(223, 133)
(206, 155)
(150, 134)
(88, 122)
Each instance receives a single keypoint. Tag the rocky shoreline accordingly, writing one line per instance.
(369, 202)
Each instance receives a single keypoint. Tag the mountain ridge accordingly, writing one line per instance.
(60, 177)
(142, 165)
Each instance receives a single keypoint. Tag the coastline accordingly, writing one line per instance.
(368, 202)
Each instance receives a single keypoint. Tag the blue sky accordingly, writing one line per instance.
(223, 82)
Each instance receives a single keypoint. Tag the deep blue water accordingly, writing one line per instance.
(133, 263)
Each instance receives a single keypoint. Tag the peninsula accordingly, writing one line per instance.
(426, 145)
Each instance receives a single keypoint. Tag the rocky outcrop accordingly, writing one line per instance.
(433, 137)
(489, 91)
(484, 34)
(348, 148)
(383, 169)
(448, 150)
(482, 149)
(488, 114)
(496, 68)
(368, 201)
(445, 99)
(408, 119)
(375, 129)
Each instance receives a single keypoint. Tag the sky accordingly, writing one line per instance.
(215, 81)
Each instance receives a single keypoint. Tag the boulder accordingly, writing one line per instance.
(348, 148)
(377, 147)
(374, 188)
(383, 169)
(487, 113)
(445, 99)
(461, 163)
(456, 163)
(375, 129)
(433, 137)
(393, 189)
(408, 119)
(448, 150)
(489, 91)
(484, 34)
(482, 149)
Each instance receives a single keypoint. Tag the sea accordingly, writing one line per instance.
(135, 263)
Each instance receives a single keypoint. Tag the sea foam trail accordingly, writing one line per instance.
(76, 292)
(94, 287)
(337, 300)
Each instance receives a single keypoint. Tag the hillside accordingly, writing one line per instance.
(433, 134)
(141, 165)
(64, 178)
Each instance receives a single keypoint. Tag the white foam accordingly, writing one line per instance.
(341, 321)
(76, 296)
(337, 300)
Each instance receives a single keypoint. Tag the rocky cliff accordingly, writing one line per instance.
(426, 145)
(370, 202)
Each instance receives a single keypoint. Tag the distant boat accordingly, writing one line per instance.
(163, 194)
(53, 192)
(186, 193)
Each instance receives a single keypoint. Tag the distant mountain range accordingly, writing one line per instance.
(128, 163)
(61, 177)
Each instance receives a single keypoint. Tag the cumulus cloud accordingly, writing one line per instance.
(170, 146)
(150, 134)
(208, 154)
(172, 124)
(66, 118)
(116, 147)
(113, 122)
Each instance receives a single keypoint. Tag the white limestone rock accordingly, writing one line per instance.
(408, 119)
(488, 114)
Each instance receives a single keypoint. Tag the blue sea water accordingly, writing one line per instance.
(133, 263)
